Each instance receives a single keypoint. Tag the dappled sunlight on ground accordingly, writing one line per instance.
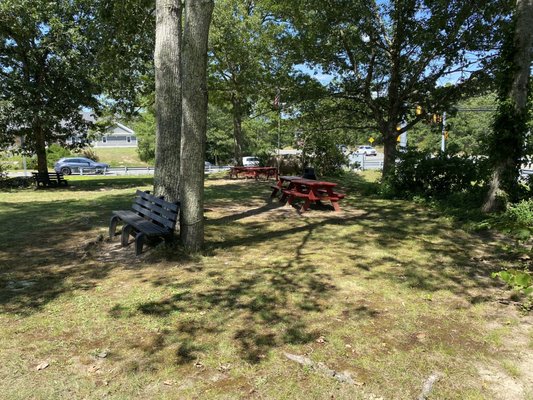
(385, 290)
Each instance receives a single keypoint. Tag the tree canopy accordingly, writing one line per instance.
(390, 57)
(47, 66)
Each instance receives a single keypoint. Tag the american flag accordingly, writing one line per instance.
(276, 100)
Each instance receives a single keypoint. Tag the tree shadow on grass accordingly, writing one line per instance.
(25, 293)
(268, 308)
(46, 249)
(260, 308)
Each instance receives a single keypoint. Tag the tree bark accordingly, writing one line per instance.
(389, 151)
(167, 58)
(40, 149)
(237, 131)
(194, 122)
(507, 149)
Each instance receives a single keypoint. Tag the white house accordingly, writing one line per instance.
(117, 135)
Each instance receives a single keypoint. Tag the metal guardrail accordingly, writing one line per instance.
(150, 170)
(363, 162)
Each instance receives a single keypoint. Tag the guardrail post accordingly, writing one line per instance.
(363, 163)
(81, 171)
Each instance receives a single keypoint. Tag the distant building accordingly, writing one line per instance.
(117, 135)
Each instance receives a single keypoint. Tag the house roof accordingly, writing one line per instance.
(90, 117)
(125, 128)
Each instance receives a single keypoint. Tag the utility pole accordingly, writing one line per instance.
(277, 104)
(443, 138)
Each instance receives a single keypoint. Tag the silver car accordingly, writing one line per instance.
(68, 165)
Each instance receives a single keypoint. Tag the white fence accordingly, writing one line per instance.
(363, 162)
(150, 170)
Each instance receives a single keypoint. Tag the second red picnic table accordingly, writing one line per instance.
(254, 172)
(311, 191)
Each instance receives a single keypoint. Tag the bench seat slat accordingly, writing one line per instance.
(148, 214)
(141, 224)
(296, 194)
(151, 198)
(157, 209)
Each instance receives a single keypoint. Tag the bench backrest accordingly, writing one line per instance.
(157, 210)
(47, 175)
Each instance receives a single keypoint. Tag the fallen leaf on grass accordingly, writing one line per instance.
(42, 366)
(93, 368)
(198, 364)
(168, 383)
(321, 339)
(421, 337)
(224, 367)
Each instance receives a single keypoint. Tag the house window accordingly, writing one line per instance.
(128, 139)
(104, 139)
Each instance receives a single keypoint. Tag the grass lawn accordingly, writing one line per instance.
(120, 157)
(385, 291)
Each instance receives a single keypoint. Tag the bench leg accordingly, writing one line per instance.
(335, 205)
(124, 238)
(139, 242)
(113, 226)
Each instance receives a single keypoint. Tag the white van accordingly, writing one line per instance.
(250, 161)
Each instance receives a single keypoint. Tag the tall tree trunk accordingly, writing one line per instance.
(167, 58)
(237, 130)
(40, 149)
(389, 150)
(194, 123)
(510, 125)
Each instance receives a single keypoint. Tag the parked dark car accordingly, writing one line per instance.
(68, 165)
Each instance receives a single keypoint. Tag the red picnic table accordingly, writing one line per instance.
(253, 172)
(296, 187)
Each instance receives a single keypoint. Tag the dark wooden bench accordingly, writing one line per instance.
(151, 216)
(47, 179)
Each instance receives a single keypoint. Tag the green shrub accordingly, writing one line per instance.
(517, 220)
(17, 182)
(520, 281)
(3, 172)
(54, 153)
(31, 163)
(89, 152)
(521, 213)
(419, 173)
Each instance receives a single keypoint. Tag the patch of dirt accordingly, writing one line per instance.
(517, 351)
(108, 251)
